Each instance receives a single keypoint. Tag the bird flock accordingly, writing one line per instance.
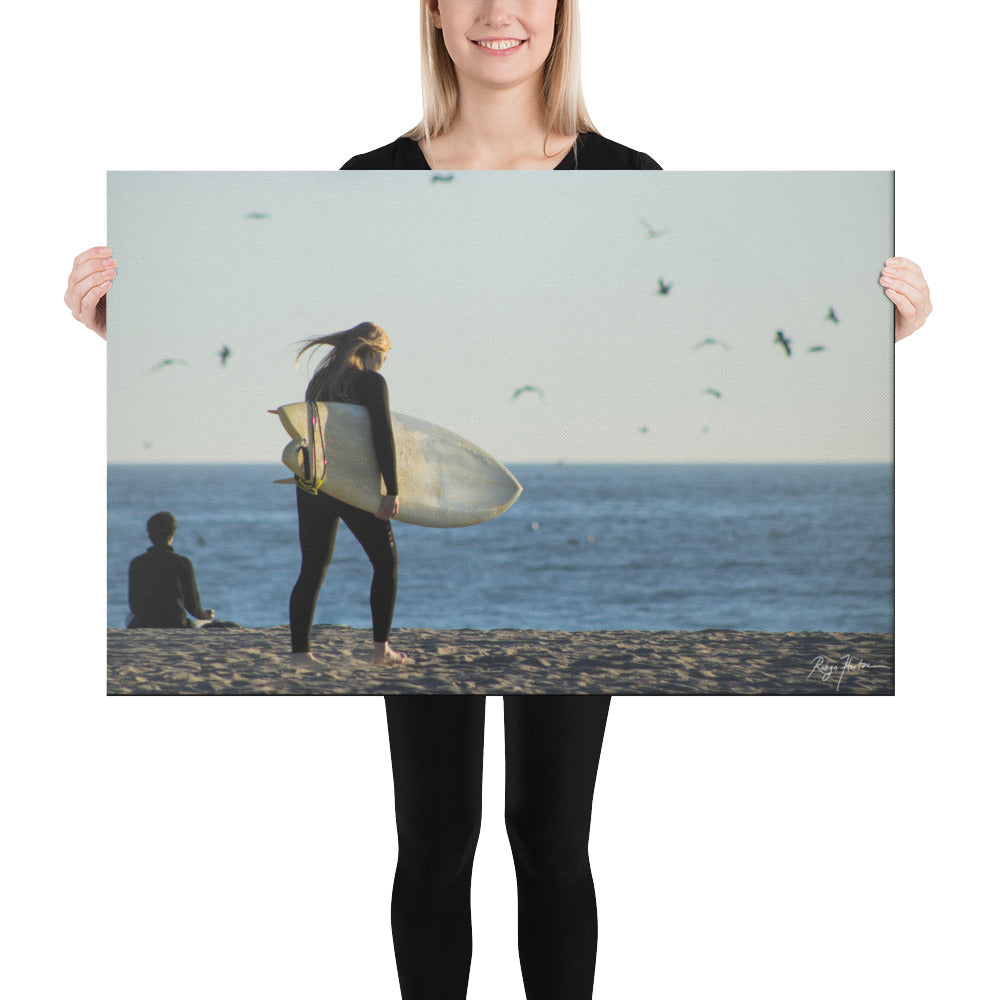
(662, 290)
(781, 339)
(223, 354)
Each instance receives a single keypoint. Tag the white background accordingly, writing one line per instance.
(212, 848)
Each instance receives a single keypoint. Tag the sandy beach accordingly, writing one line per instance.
(253, 661)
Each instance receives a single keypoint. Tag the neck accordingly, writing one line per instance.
(495, 128)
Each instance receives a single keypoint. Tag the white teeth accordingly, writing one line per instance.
(500, 45)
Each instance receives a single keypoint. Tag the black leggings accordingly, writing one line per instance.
(553, 745)
(319, 516)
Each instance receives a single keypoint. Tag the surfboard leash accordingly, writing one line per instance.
(313, 479)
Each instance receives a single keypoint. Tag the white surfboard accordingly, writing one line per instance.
(444, 481)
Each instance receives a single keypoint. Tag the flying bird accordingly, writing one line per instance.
(714, 392)
(710, 340)
(442, 177)
(527, 388)
(780, 338)
(224, 355)
(832, 315)
(818, 347)
(664, 288)
(651, 232)
(167, 361)
(258, 215)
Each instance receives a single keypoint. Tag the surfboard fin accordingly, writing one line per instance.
(286, 482)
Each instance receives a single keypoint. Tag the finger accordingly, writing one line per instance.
(93, 252)
(904, 263)
(900, 267)
(88, 304)
(85, 290)
(914, 294)
(910, 303)
(907, 320)
(903, 304)
(95, 272)
(79, 289)
(95, 265)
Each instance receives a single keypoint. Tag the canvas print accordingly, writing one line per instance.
(578, 433)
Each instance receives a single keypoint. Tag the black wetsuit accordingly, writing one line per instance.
(553, 745)
(162, 589)
(320, 514)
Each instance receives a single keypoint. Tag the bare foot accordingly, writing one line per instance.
(385, 654)
(304, 660)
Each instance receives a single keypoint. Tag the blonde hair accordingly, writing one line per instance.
(331, 381)
(562, 90)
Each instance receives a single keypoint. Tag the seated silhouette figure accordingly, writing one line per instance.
(161, 586)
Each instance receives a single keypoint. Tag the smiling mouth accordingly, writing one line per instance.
(500, 44)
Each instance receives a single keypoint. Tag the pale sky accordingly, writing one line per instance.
(496, 280)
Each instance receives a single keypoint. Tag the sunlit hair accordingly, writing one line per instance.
(562, 91)
(331, 381)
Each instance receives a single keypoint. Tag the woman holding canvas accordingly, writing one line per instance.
(502, 91)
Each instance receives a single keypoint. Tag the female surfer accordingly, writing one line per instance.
(349, 374)
(501, 83)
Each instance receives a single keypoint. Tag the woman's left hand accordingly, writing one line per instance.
(388, 509)
(904, 284)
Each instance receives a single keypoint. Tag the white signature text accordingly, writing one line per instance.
(847, 665)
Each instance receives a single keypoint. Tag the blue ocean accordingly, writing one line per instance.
(773, 548)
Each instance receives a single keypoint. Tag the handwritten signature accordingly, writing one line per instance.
(848, 665)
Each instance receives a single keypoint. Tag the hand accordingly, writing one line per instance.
(904, 284)
(88, 283)
(388, 509)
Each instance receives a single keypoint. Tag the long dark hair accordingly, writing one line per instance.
(350, 349)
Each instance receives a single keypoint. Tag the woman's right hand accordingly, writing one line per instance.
(388, 509)
(88, 283)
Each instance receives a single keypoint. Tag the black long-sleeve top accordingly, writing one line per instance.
(161, 586)
(590, 152)
(369, 389)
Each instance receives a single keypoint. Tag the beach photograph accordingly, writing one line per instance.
(688, 376)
